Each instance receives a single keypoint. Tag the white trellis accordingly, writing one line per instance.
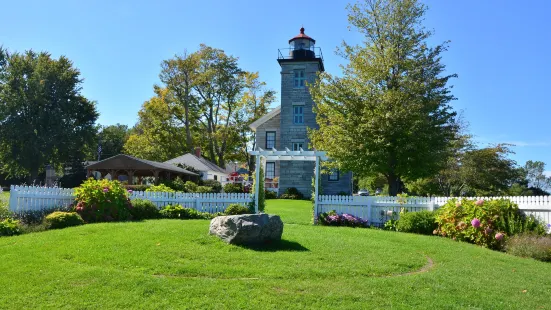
(288, 155)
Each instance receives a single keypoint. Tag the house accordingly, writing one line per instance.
(286, 125)
(207, 169)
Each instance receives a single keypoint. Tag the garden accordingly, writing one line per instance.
(154, 259)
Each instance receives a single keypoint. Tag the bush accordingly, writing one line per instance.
(529, 245)
(190, 187)
(144, 210)
(233, 188)
(270, 194)
(9, 227)
(177, 184)
(332, 218)
(36, 217)
(137, 188)
(204, 189)
(422, 222)
(4, 210)
(215, 185)
(292, 193)
(102, 201)
(485, 223)
(160, 188)
(60, 219)
(236, 209)
(179, 212)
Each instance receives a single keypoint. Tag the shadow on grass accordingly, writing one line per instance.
(277, 246)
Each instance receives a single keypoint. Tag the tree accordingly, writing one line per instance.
(157, 135)
(43, 116)
(112, 139)
(389, 113)
(534, 172)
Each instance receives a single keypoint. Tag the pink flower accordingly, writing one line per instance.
(105, 189)
(475, 222)
(499, 236)
(130, 191)
(479, 202)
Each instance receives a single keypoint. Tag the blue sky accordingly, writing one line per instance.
(499, 49)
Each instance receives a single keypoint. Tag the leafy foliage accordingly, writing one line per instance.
(112, 139)
(179, 212)
(215, 186)
(9, 227)
(137, 188)
(36, 217)
(160, 188)
(529, 245)
(270, 194)
(389, 113)
(190, 187)
(144, 210)
(236, 209)
(102, 201)
(233, 188)
(485, 223)
(44, 117)
(421, 222)
(332, 218)
(292, 193)
(61, 219)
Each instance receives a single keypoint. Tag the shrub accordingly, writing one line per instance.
(204, 189)
(4, 210)
(137, 188)
(144, 210)
(233, 188)
(9, 227)
(529, 245)
(261, 192)
(485, 223)
(332, 218)
(160, 188)
(177, 184)
(270, 194)
(292, 193)
(422, 222)
(190, 187)
(36, 217)
(102, 201)
(215, 185)
(236, 209)
(61, 219)
(179, 212)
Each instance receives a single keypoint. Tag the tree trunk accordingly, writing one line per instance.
(33, 176)
(394, 184)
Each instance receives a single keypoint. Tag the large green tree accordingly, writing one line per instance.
(43, 116)
(389, 113)
(112, 139)
(157, 135)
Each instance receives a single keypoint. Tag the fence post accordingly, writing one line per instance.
(431, 205)
(198, 202)
(13, 198)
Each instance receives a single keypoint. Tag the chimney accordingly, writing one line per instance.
(198, 151)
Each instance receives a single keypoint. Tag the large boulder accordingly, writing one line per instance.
(247, 229)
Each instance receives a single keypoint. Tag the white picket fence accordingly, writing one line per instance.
(377, 210)
(27, 198)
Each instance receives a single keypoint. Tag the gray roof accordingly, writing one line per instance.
(127, 162)
(199, 163)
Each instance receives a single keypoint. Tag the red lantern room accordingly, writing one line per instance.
(301, 48)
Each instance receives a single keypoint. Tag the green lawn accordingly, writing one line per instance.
(173, 264)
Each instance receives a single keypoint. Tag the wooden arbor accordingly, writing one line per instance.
(287, 154)
(136, 167)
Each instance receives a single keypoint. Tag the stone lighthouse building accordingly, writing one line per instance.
(286, 126)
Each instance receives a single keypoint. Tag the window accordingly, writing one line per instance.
(297, 146)
(298, 114)
(299, 78)
(270, 140)
(270, 170)
(215, 177)
(334, 175)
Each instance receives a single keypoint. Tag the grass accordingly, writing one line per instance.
(173, 264)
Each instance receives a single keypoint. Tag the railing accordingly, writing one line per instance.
(291, 53)
(377, 210)
(28, 198)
